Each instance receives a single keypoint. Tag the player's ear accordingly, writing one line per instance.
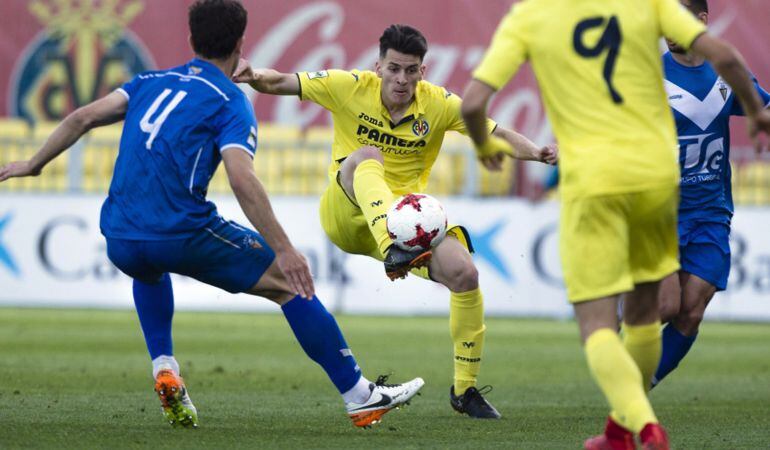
(189, 41)
(378, 68)
(704, 17)
(422, 71)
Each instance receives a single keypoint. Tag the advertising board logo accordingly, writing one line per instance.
(487, 251)
(84, 52)
(6, 258)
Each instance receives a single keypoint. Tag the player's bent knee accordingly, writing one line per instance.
(669, 308)
(367, 152)
(462, 278)
(690, 319)
(273, 286)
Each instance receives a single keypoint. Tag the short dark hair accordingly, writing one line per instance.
(403, 39)
(216, 26)
(699, 6)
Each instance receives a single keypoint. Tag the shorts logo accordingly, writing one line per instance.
(318, 74)
(469, 344)
(252, 243)
(420, 127)
(84, 53)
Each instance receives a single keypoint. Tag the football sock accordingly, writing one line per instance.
(321, 339)
(164, 362)
(466, 325)
(619, 378)
(358, 393)
(643, 344)
(374, 197)
(155, 307)
(675, 347)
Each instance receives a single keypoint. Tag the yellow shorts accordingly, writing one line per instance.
(610, 243)
(345, 225)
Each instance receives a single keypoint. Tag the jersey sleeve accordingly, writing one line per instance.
(328, 88)
(454, 118)
(677, 23)
(129, 88)
(763, 95)
(507, 52)
(238, 126)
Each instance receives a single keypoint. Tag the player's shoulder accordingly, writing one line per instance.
(429, 92)
(365, 78)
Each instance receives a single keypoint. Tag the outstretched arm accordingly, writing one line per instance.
(253, 199)
(267, 81)
(729, 64)
(525, 149)
(106, 110)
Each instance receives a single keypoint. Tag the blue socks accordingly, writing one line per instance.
(315, 329)
(155, 307)
(321, 338)
(675, 347)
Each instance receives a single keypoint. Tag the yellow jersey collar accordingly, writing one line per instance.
(415, 110)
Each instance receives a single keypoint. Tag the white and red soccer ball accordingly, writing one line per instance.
(416, 222)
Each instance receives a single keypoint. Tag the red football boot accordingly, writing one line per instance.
(654, 437)
(615, 437)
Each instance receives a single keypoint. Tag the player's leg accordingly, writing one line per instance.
(362, 177)
(154, 301)
(452, 266)
(247, 264)
(670, 297)
(705, 261)
(595, 247)
(680, 333)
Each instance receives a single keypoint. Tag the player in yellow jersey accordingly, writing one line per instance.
(388, 129)
(599, 69)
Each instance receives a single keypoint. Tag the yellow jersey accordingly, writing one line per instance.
(599, 68)
(409, 147)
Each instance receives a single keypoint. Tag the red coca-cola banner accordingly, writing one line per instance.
(56, 55)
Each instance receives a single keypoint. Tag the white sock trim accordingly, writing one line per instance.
(164, 362)
(358, 393)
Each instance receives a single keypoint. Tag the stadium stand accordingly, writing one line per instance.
(292, 162)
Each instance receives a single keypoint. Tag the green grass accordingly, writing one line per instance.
(81, 379)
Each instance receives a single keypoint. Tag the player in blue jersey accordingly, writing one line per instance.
(702, 104)
(179, 124)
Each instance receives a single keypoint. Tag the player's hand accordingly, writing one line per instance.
(243, 72)
(294, 266)
(256, 78)
(549, 154)
(759, 130)
(18, 169)
(492, 152)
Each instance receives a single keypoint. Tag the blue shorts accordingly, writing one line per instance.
(704, 251)
(223, 254)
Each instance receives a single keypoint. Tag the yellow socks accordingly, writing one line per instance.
(619, 378)
(374, 197)
(466, 325)
(644, 344)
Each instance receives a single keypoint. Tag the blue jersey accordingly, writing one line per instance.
(702, 104)
(177, 123)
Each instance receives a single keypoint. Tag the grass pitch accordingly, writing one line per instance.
(81, 379)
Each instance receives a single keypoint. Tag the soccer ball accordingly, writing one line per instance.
(416, 222)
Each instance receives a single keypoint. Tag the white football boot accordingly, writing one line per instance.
(384, 397)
